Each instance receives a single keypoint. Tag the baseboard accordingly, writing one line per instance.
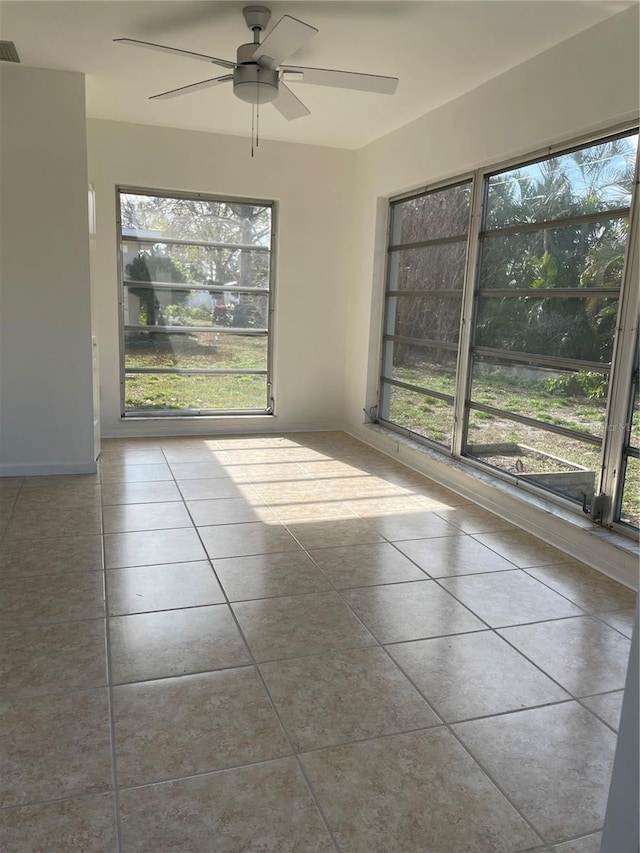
(609, 552)
(210, 426)
(44, 470)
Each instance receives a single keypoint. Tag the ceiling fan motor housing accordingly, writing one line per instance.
(255, 84)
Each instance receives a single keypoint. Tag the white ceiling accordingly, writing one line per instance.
(439, 50)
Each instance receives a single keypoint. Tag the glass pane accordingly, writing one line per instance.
(630, 510)
(152, 306)
(168, 392)
(572, 399)
(438, 267)
(162, 262)
(595, 178)
(555, 462)
(427, 367)
(586, 255)
(203, 350)
(568, 328)
(429, 317)
(443, 213)
(424, 415)
(197, 219)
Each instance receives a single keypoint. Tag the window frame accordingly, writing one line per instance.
(610, 476)
(268, 333)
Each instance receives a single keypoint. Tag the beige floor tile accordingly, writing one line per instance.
(521, 548)
(590, 589)
(37, 599)
(62, 656)
(413, 793)
(300, 625)
(149, 473)
(607, 706)
(573, 755)
(174, 642)
(269, 575)
(474, 675)
(125, 518)
(227, 511)
(217, 487)
(433, 492)
(166, 587)
(200, 470)
(289, 513)
(283, 473)
(150, 548)
(10, 486)
(582, 654)
(48, 556)
(309, 491)
(136, 493)
(509, 598)
(586, 844)
(330, 699)
(266, 807)
(410, 611)
(180, 726)
(87, 824)
(128, 455)
(54, 746)
(444, 556)
(374, 508)
(621, 620)
(331, 532)
(474, 520)
(413, 525)
(354, 488)
(48, 520)
(365, 565)
(244, 540)
(61, 491)
(129, 448)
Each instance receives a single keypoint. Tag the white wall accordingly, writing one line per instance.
(45, 307)
(589, 82)
(313, 189)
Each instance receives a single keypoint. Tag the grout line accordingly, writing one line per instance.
(112, 720)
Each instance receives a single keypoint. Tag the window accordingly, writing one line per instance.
(195, 304)
(425, 277)
(539, 376)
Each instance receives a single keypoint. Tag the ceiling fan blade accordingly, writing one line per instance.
(178, 51)
(285, 38)
(342, 79)
(194, 87)
(288, 104)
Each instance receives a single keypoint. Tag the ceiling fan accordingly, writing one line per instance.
(259, 74)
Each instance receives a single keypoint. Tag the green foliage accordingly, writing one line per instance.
(586, 383)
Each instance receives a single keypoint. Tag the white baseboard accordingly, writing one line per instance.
(609, 552)
(209, 426)
(46, 469)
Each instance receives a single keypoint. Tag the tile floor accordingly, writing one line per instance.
(304, 647)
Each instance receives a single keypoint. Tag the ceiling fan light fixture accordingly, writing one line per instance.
(255, 84)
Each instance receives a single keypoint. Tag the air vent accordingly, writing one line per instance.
(8, 52)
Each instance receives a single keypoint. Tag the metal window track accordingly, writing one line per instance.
(586, 437)
(551, 293)
(195, 371)
(420, 342)
(207, 244)
(187, 286)
(424, 244)
(191, 330)
(543, 360)
(418, 390)
(547, 224)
